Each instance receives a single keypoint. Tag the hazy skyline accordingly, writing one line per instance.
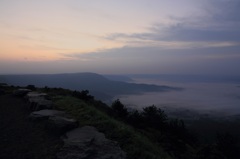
(120, 37)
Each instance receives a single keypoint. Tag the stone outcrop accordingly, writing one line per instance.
(45, 114)
(38, 101)
(79, 143)
(87, 142)
(36, 95)
(21, 92)
(60, 124)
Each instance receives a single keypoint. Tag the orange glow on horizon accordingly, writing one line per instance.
(22, 50)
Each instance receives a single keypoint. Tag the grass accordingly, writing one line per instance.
(135, 144)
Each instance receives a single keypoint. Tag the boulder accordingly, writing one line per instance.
(45, 114)
(44, 104)
(87, 142)
(60, 125)
(36, 95)
(21, 92)
(40, 103)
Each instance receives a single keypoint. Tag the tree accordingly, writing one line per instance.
(119, 109)
(84, 95)
(135, 119)
(154, 117)
(31, 87)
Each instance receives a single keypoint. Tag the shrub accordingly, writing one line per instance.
(31, 87)
(84, 95)
(154, 117)
(119, 109)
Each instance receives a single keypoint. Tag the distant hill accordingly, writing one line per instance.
(190, 78)
(98, 85)
(122, 78)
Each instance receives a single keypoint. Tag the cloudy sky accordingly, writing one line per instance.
(120, 36)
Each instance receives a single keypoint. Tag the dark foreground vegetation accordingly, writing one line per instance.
(214, 140)
(20, 138)
(148, 133)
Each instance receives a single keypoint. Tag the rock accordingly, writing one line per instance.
(60, 125)
(36, 95)
(45, 114)
(21, 92)
(40, 103)
(44, 104)
(87, 142)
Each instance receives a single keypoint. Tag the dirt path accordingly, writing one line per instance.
(21, 138)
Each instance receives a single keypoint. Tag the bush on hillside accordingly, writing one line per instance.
(154, 117)
(83, 95)
(119, 109)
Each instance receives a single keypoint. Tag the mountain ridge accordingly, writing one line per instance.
(100, 86)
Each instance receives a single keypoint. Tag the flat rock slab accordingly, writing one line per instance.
(36, 94)
(87, 142)
(40, 103)
(60, 125)
(45, 114)
(21, 92)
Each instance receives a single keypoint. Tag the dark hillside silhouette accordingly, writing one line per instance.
(98, 85)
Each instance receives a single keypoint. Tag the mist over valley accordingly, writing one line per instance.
(217, 96)
(183, 96)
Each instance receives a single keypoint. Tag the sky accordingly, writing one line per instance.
(120, 37)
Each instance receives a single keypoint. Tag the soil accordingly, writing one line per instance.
(21, 138)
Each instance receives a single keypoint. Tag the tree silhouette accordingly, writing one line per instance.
(154, 117)
(135, 119)
(84, 95)
(119, 109)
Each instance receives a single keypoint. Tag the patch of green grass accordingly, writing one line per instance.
(135, 144)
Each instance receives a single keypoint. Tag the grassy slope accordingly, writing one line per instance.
(133, 143)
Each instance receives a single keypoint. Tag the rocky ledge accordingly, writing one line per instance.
(88, 142)
(79, 142)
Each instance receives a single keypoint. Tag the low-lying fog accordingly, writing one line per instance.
(218, 99)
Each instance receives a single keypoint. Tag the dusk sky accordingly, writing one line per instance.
(120, 36)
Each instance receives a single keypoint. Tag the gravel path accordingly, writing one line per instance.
(21, 138)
